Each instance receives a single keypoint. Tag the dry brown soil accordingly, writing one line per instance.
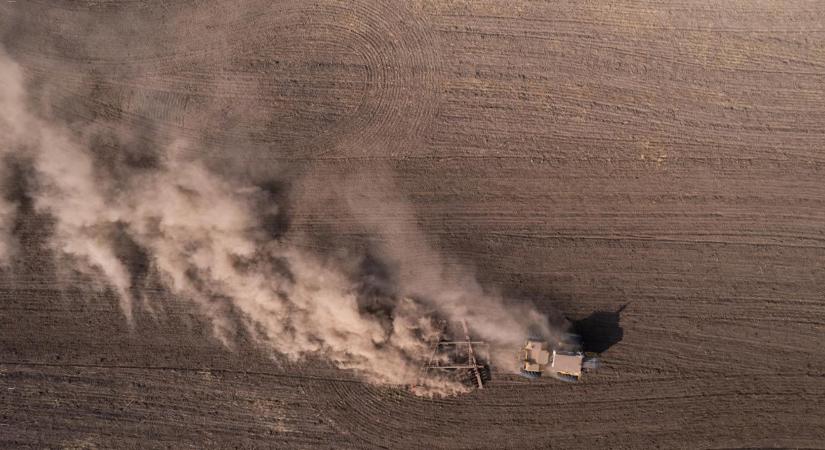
(668, 155)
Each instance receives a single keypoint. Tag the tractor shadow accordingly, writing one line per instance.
(600, 330)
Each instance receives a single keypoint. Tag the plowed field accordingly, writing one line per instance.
(664, 155)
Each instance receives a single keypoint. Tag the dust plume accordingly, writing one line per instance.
(7, 213)
(11, 97)
(204, 234)
(447, 285)
(68, 189)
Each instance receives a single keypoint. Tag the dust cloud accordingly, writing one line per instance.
(205, 237)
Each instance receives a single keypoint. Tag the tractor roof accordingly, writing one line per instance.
(568, 362)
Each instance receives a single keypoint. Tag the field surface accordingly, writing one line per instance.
(665, 156)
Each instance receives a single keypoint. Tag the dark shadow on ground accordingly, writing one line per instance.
(600, 330)
(276, 222)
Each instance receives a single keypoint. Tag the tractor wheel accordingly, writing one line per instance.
(530, 374)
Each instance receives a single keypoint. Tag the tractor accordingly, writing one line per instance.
(562, 359)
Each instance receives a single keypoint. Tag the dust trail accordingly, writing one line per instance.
(205, 237)
(448, 285)
(206, 241)
(7, 214)
(67, 187)
(11, 128)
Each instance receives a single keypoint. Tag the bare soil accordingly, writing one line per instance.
(663, 155)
